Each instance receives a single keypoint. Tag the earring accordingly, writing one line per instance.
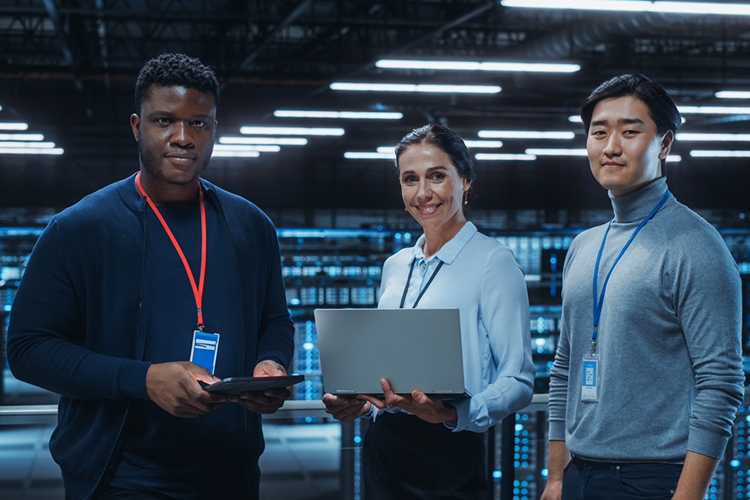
(466, 198)
(406, 209)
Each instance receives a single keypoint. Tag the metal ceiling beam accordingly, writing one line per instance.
(67, 53)
(301, 7)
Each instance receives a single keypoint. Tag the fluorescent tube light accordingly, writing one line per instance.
(13, 126)
(478, 66)
(418, 87)
(279, 141)
(674, 158)
(291, 131)
(355, 155)
(732, 94)
(504, 157)
(265, 148)
(469, 144)
(25, 144)
(235, 154)
(556, 152)
(21, 137)
(525, 134)
(697, 153)
(355, 115)
(724, 9)
(684, 136)
(714, 110)
(31, 151)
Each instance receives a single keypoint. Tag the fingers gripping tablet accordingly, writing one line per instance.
(232, 386)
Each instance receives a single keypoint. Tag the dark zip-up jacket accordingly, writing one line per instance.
(74, 325)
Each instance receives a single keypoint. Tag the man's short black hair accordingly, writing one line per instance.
(661, 107)
(172, 70)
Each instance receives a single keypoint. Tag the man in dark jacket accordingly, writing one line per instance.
(127, 286)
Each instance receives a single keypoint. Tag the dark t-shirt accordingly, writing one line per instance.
(207, 456)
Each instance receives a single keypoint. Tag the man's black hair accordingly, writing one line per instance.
(661, 107)
(171, 70)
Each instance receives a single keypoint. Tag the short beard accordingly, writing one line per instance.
(149, 162)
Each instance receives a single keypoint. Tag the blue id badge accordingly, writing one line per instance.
(591, 377)
(204, 350)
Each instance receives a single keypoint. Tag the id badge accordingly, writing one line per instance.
(204, 350)
(591, 378)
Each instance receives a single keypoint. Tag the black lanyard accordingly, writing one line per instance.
(408, 280)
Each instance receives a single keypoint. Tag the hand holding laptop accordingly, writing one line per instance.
(428, 408)
(345, 409)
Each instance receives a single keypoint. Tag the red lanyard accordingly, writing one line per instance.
(197, 291)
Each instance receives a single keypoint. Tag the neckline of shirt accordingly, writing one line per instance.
(450, 250)
(636, 205)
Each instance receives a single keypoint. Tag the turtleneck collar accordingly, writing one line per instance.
(638, 204)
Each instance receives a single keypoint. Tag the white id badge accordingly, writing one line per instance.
(205, 349)
(591, 378)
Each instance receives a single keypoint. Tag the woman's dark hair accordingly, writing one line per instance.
(447, 140)
(171, 70)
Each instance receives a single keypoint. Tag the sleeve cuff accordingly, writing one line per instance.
(707, 443)
(556, 430)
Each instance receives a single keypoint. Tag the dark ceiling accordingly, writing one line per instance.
(68, 68)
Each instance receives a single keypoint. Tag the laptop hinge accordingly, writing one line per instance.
(346, 392)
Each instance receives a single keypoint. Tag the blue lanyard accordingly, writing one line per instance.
(598, 306)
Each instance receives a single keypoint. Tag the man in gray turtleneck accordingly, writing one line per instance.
(648, 372)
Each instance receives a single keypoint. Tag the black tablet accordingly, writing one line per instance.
(232, 386)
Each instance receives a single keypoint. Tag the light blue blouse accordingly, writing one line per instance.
(483, 280)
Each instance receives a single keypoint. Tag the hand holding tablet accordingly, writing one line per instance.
(233, 386)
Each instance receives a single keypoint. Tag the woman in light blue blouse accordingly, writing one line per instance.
(419, 447)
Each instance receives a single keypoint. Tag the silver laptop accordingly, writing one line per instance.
(412, 348)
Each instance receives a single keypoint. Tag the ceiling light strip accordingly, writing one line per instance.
(369, 155)
(732, 94)
(504, 157)
(31, 151)
(697, 153)
(477, 66)
(353, 115)
(266, 148)
(279, 141)
(526, 134)
(714, 110)
(723, 9)
(13, 126)
(687, 136)
(416, 87)
(317, 131)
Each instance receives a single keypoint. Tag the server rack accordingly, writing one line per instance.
(342, 268)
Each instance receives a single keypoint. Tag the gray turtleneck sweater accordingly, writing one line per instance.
(669, 337)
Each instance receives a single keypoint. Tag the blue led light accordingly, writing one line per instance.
(497, 474)
(519, 427)
(357, 439)
(734, 463)
(544, 472)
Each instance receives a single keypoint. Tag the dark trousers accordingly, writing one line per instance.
(589, 480)
(406, 458)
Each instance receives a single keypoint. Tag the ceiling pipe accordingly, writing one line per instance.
(589, 33)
